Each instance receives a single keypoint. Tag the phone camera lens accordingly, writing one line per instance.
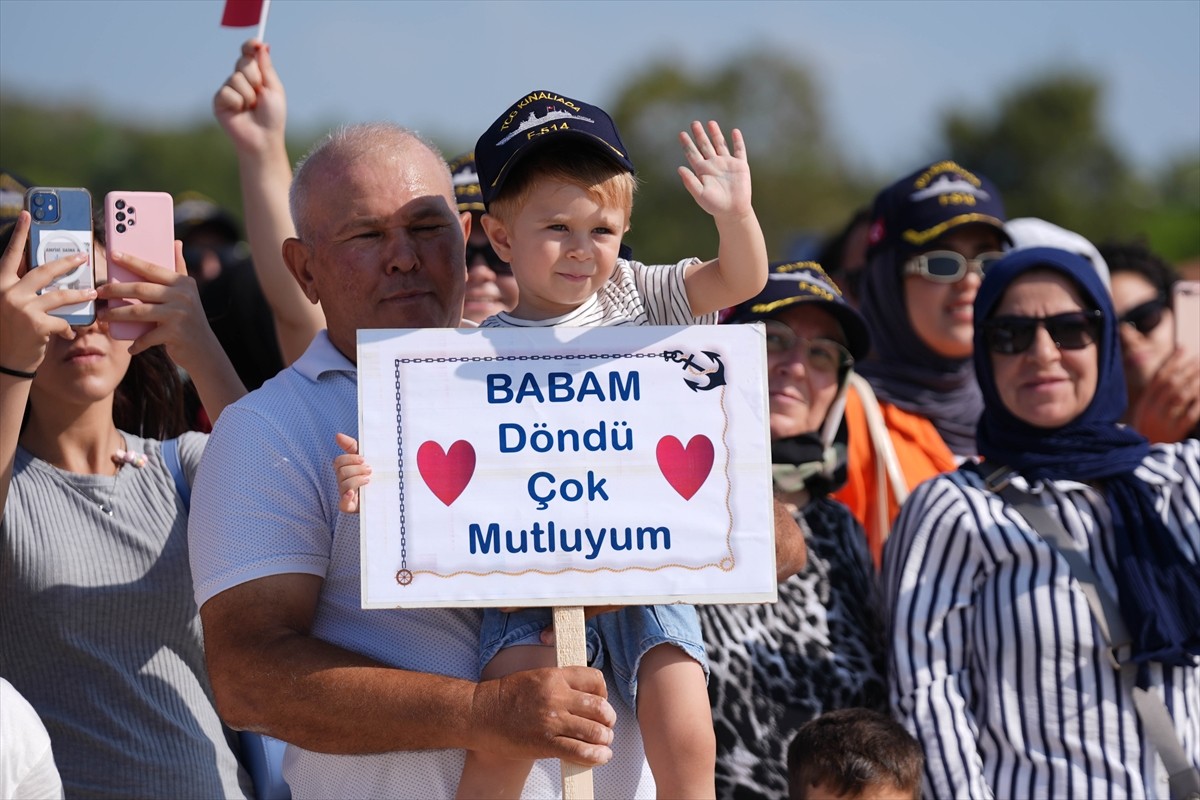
(121, 216)
(39, 199)
(132, 210)
(120, 228)
(120, 204)
(39, 214)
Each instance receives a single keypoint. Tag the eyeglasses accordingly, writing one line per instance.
(947, 266)
(1145, 317)
(820, 355)
(1072, 331)
(494, 262)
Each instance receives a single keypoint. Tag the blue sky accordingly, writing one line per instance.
(886, 69)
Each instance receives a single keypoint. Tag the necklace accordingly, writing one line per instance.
(120, 458)
(107, 505)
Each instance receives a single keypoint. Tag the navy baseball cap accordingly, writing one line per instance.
(536, 119)
(918, 209)
(790, 283)
(466, 183)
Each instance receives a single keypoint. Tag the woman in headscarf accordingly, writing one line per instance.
(932, 234)
(774, 667)
(1016, 587)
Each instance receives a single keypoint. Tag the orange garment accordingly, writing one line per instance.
(919, 449)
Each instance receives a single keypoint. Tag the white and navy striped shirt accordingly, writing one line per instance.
(635, 295)
(998, 667)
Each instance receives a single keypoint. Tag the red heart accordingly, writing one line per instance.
(446, 474)
(685, 468)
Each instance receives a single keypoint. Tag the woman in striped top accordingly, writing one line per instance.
(999, 667)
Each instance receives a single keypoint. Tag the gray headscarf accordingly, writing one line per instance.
(903, 370)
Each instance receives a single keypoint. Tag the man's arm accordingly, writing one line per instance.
(252, 108)
(719, 181)
(271, 676)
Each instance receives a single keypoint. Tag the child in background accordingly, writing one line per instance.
(559, 187)
(854, 754)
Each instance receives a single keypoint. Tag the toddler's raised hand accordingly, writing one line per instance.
(719, 179)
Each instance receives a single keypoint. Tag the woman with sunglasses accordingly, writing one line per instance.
(1033, 596)
(773, 667)
(1162, 378)
(932, 235)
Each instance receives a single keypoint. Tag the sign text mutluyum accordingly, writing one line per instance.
(565, 466)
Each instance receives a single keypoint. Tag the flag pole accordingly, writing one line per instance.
(262, 21)
(570, 641)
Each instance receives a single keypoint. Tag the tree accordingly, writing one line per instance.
(1046, 150)
(68, 146)
(799, 181)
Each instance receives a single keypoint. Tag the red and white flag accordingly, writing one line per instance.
(245, 13)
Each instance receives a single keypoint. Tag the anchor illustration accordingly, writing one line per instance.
(716, 374)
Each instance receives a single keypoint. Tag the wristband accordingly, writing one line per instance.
(16, 373)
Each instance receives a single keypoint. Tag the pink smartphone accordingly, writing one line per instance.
(140, 224)
(1185, 303)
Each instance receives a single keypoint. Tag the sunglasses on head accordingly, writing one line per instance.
(494, 262)
(821, 355)
(947, 266)
(1145, 317)
(1071, 331)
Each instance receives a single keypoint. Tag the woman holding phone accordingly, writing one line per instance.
(1162, 366)
(98, 626)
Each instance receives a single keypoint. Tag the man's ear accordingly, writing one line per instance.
(497, 234)
(464, 219)
(298, 258)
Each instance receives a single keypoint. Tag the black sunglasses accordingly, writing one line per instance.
(494, 262)
(1071, 331)
(1145, 317)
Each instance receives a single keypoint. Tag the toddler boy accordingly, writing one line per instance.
(558, 185)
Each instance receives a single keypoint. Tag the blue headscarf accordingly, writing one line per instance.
(1159, 590)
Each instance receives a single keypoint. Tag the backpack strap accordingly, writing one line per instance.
(889, 477)
(170, 456)
(1152, 711)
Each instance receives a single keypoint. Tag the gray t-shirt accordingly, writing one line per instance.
(99, 629)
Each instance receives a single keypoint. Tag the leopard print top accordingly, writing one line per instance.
(775, 666)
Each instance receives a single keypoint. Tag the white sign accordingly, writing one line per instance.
(565, 466)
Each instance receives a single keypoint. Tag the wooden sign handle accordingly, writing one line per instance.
(571, 650)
